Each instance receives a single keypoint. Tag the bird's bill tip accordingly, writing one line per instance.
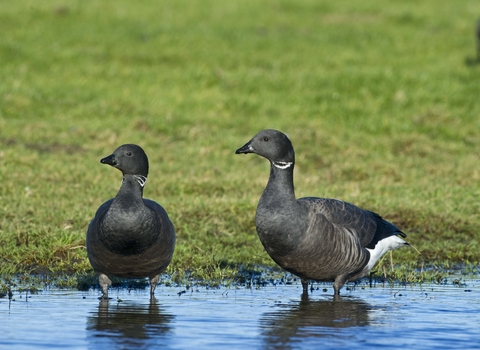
(247, 148)
(110, 160)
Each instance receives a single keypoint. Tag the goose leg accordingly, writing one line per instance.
(104, 282)
(338, 284)
(153, 284)
(391, 261)
(305, 285)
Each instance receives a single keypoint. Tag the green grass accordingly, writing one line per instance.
(381, 101)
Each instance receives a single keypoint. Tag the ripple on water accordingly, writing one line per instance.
(277, 317)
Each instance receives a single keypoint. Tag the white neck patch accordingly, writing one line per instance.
(142, 180)
(282, 165)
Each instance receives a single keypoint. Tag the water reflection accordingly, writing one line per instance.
(129, 324)
(291, 324)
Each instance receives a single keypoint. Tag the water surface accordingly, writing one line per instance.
(272, 317)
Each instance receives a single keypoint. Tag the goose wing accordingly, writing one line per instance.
(100, 213)
(366, 226)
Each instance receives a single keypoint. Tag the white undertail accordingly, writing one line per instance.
(383, 246)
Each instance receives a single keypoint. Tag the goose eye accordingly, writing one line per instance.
(265, 138)
(129, 154)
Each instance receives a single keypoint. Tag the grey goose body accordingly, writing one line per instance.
(130, 236)
(319, 239)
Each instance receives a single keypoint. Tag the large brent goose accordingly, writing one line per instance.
(319, 239)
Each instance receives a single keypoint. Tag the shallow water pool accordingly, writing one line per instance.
(272, 317)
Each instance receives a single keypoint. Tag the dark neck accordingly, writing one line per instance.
(131, 191)
(280, 183)
(129, 226)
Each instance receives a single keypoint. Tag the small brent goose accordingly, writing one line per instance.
(319, 239)
(130, 237)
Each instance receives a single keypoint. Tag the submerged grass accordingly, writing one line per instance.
(380, 101)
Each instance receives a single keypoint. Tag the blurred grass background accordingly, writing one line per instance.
(381, 101)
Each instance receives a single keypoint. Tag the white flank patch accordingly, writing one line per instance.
(383, 246)
(282, 165)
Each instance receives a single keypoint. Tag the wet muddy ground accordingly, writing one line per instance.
(275, 317)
